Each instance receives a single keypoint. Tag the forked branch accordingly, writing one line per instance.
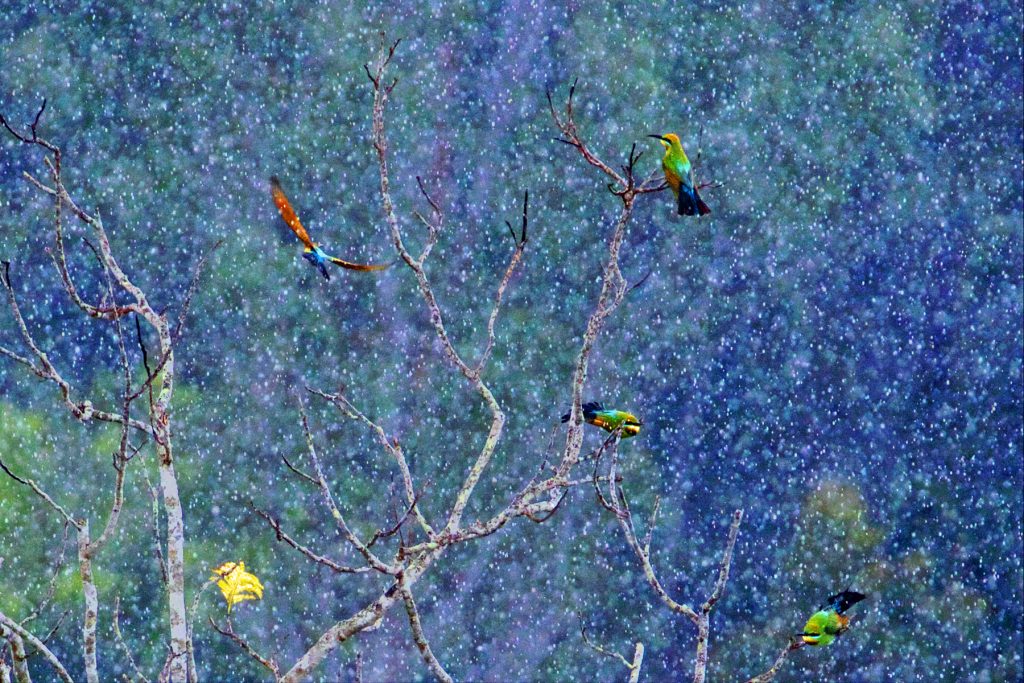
(633, 666)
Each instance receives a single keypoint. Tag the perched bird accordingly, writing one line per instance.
(609, 420)
(831, 620)
(312, 253)
(679, 176)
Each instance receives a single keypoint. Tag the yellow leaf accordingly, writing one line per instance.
(237, 584)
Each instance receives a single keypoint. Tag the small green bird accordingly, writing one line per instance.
(609, 420)
(679, 176)
(830, 621)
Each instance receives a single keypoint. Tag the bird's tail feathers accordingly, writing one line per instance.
(690, 203)
(702, 208)
(357, 266)
(841, 602)
(588, 411)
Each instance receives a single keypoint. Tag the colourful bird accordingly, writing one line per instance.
(679, 176)
(312, 253)
(827, 623)
(609, 420)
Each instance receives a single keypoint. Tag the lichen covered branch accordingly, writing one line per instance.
(420, 638)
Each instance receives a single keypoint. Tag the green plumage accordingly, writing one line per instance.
(827, 623)
(609, 420)
(823, 627)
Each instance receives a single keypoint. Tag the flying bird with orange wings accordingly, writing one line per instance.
(312, 252)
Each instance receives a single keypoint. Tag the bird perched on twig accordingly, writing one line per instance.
(830, 621)
(312, 253)
(679, 176)
(609, 420)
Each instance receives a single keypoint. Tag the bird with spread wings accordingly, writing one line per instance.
(312, 252)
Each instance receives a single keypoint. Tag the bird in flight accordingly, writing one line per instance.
(312, 252)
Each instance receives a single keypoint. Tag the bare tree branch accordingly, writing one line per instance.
(159, 418)
(54, 576)
(68, 519)
(513, 262)
(193, 286)
(154, 517)
(541, 497)
(83, 411)
(7, 625)
(380, 143)
(299, 473)
(794, 644)
(704, 626)
(618, 504)
(319, 559)
(122, 645)
(193, 672)
(391, 445)
(420, 638)
(325, 490)
(19, 658)
(599, 649)
(229, 632)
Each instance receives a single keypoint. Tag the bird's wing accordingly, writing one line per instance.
(815, 626)
(288, 213)
(630, 418)
(357, 266)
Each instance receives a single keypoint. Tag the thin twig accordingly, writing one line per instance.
(193, 671)
(319, 559)
(53, 629)
(297, 471)
(391, 445)
(597, 648)
(397, 526)
(155, 528)
(192, 287)
(122, 645)
(52, 585)
(329, 501)
(229, 632)
(794, 644)
(513, 262)
(42, 494)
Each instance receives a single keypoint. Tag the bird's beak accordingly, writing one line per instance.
(658, 137)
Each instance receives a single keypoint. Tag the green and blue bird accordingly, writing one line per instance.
(609, 420)
(679, 176)
(312, 252)
(830, 621)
